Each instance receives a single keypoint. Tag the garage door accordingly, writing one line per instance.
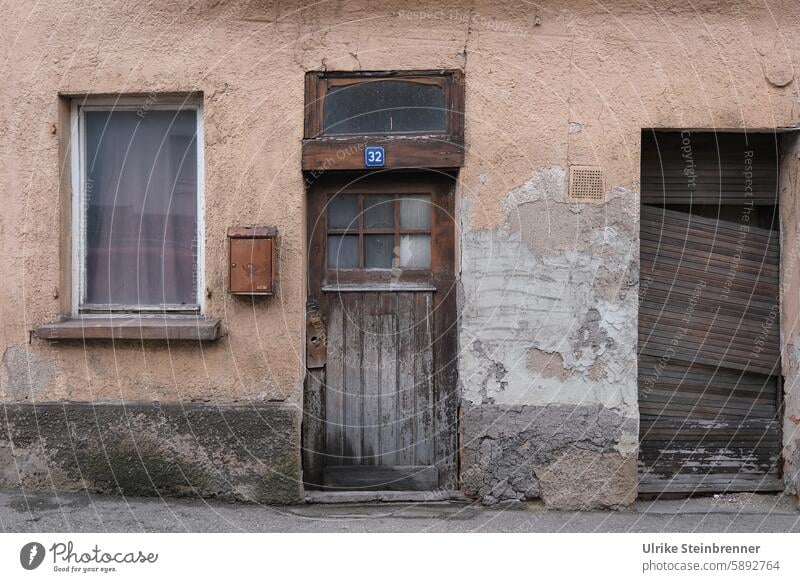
(709, 349)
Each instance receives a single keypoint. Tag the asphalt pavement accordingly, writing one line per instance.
(84, 512)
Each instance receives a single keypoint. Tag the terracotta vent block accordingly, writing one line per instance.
(586, 185)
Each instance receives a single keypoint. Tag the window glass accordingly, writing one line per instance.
(378, 251)
(141, 208)
(384, 106)
(378, 212)
(343, 252)
(415, 212)
(343, 212)
(415, 251)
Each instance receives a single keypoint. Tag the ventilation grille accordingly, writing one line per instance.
(586, 185)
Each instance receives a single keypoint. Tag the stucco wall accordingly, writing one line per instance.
(549, 293)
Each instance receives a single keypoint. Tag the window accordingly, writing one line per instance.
(391, 103)
(384, 106)
(379, 231)
(416, 116)
(137, 222)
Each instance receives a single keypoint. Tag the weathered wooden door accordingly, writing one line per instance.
(380, 398)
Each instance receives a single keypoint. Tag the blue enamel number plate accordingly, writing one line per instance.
(374, 156)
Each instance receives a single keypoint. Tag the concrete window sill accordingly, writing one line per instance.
(132, 328)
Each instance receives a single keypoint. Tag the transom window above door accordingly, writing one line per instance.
(379, 231)
(384, 103)
(417, 117)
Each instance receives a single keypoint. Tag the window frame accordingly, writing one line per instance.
(333, 82)
(153, 102)
(318, 83)
(360, 231)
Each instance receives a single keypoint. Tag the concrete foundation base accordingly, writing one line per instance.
(248, 452)
(571, 457)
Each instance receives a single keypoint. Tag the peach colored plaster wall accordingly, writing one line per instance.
(548, 84)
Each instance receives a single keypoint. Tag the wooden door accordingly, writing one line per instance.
(380, 397)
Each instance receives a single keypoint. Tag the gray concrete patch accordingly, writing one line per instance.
(567, 455)
(247, 453)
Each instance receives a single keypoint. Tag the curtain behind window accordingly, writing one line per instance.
(141, 208)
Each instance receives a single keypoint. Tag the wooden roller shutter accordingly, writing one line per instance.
(709, 351)
(709, 168)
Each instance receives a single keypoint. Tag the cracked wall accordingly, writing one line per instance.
(547, 348)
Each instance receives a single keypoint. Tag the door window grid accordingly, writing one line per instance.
(379, 231)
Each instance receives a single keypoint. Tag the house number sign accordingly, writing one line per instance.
(374, 156)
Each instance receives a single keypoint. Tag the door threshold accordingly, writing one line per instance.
(383, 496)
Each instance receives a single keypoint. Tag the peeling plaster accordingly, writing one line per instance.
(548, 348)
(517, 299)
(546, 364)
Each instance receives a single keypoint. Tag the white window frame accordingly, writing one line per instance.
(153, 102)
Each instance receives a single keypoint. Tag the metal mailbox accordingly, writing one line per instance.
(252, 260)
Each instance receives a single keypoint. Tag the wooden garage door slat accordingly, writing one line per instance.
(696, 349)
(763, 394)
(712, 392)
(737, 295)
(699, 225)
(656, 314)
(707, 262)
(717, 332)
(676, 377)
(762, 255)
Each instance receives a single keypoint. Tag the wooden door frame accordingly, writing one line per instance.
(442, 276)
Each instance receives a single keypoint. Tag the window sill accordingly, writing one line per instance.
(132, 328)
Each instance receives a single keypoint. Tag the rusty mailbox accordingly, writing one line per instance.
(252, 260)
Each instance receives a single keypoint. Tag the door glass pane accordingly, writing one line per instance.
(378, 251)
(384, 106)
(343, 251)
(141, 208)
(415, 211)
(343, 212)
(415, 251)
(378, 212)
